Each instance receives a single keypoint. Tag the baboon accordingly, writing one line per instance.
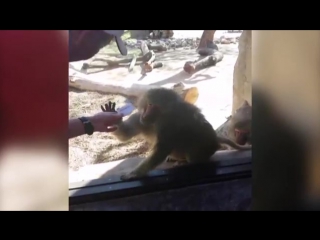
(238, 126)
(173, 127)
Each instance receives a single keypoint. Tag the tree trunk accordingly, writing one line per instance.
(207, 35)
(242, 72)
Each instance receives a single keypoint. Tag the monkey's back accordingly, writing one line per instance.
(189, 129)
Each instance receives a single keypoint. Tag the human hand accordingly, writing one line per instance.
(106, 121)
(111, 107)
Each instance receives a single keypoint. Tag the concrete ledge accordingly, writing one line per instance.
(116, 168)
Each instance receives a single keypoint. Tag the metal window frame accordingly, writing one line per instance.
(224, 166)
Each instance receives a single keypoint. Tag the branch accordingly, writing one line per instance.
(192, 67)
(90, 83)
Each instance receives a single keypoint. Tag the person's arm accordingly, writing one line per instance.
(76, 128)
(100, 122)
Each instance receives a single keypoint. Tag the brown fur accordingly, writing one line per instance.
(173, 127)
(238, 126)
(241, 122)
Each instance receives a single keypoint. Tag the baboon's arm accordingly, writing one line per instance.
(159, 155)
(128, 128)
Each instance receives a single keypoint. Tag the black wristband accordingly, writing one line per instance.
(88, 127)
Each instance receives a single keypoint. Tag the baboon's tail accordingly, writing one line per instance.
(232, 144)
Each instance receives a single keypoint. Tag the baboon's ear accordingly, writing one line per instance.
(191, 95)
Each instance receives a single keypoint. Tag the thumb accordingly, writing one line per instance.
(111, 129)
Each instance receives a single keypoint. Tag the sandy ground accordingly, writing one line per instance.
(100, 147)
(215, 100)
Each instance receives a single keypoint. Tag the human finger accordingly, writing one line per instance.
(107, 107)
(111, 106)
(103, 109)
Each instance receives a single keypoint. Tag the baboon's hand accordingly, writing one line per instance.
(109, 107)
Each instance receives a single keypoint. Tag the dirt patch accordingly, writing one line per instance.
(99, 147)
